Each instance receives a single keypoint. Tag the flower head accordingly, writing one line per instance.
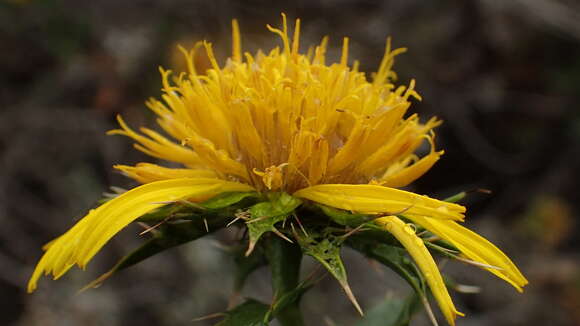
(285, 121)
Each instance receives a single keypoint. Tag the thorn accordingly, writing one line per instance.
(96, 283)
(206, 226)
(352, 298)
(294, 231)
(429, 310)
(281, 235)
(463, 288)
(233, 221)
(300, 224)
(117, 190)
(164, 202)
(109, 195)
(351, 232)
(261, 218)
(211, 316)
(433, 239)
(243, 215)
(251, 245)
(151, 228)
(422, 233)
(403, 211)
(148, 228)
(190, 204)
(176, 222)
(481, 191)
(478, 264)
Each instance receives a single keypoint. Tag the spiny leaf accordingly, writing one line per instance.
(345, 218)
(167, 236)
(264, 215)
(189, 223)
(325, 248)
(392, 312)
(391, 256)
(255, 313)
(227, 199)
(249, 313)
(163, 213)
(285, 259)
(395, 258)
(245, 265)
(289, 298)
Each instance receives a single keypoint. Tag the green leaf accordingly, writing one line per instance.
(393, 257)
(164, 212)
(249, 313)
(455, 198)
(285, 259)
(325, 248)
(227, 199)
(397, 259)
(392, 312)
(166, 236)
(280, 307)
(255, 313)
(264, 215)
(245, 265)
(346, 218)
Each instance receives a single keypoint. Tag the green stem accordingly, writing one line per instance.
(285, 259)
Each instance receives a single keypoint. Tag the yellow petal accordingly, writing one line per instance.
(373, 199)
(147, 172)
(411, 173)
(476, 248)
(90, 234)
(400, 175)
(416, 248)
(157, 146)
(236, 42)
(59, 247)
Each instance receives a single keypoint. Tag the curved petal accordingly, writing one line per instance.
(476, 248)
(403, 173)
(158, 146)
(374, 199)
(147, 172)
(90, 234)
(416, 248)
(55, 260)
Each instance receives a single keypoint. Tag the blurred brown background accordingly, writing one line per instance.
(505, 77)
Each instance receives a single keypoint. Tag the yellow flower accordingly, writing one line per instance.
(286, 121)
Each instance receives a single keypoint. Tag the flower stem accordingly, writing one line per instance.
(285, 259)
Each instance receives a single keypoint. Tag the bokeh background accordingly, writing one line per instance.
(505, 77)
